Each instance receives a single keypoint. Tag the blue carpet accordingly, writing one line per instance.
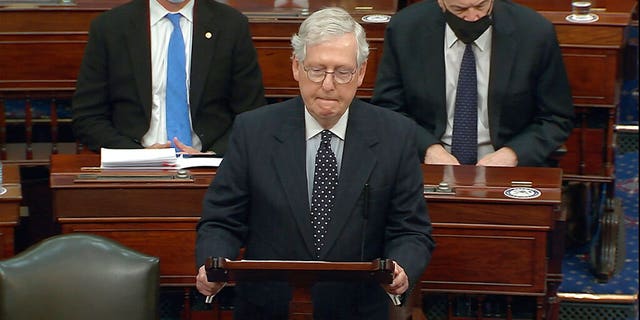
(577, 275)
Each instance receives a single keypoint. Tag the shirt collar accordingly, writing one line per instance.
(483, 42)
(157, 11)
(312, 127)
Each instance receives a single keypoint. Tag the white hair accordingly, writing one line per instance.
(326, 24)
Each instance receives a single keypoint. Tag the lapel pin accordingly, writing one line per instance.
(208, 35)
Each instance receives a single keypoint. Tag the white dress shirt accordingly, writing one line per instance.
(312, 131)
(161, 29)
(453, 52)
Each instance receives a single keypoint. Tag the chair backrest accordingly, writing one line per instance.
(79, 277)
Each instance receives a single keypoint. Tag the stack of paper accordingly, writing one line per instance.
(137, 158)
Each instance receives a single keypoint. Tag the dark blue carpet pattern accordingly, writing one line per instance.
(577, 275)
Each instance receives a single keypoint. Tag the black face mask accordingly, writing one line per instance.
(467, 31)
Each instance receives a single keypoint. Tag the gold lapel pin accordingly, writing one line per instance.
(208, 35)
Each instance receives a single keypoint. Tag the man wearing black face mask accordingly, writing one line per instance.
(522, 104)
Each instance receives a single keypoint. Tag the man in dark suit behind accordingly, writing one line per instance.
(524, 105)
(263, 196)
(120, 97)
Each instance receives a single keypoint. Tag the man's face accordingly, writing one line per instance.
(327, 99)
(469, 10)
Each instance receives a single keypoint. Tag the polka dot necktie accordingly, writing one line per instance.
(325, 181)
(464, 144)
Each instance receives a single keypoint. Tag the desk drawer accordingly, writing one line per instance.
(487, 260)
(507, 213)
(172, 240)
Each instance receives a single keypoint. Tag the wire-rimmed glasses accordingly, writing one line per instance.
(340, 76)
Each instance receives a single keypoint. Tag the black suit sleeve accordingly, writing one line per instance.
(552, 120)
(92, 110)
(391, 88)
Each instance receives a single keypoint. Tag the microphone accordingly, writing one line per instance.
(365, 211)
(365, 217)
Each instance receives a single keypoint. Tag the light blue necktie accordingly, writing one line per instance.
(464, 143)
(177, 105)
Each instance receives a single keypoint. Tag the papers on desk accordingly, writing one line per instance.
(192, 161)
(136, 159)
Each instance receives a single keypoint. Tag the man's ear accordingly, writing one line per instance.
(441, 4)
(361, 72)
(295, 67)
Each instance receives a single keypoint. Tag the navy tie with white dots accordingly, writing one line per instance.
(325, 182)
(464, 143)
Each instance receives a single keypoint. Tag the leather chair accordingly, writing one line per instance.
(79, 277)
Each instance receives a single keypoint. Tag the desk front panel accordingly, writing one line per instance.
(171, 239)
(488, 260)
(486, 242)
(157, 221)
(40, 61)
(168, 201)
(508, 213)
(497, 248)
(467, 255)
(157, 218)
(9, 209)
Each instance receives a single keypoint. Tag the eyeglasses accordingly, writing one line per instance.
(340, 76)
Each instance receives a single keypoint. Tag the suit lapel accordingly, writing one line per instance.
(358, 160)
(139, 43)
(205, 38)
(433, 44)
(289, 160)
(503, 53)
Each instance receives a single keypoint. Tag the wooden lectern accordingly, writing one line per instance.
(301, 275)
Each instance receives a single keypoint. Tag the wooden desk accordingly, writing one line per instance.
(9, 209)
(488, 243)
(50, 40)
(478, 230)
(157, 218)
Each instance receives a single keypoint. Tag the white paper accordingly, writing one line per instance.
(186, 161)
(137, 158)
(141, 159)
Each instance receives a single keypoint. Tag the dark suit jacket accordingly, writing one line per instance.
(530, 106)
(112, 103)
(259, 200)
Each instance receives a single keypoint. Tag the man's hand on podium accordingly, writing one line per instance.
(399, 285)
(400, 282)
(209, 289)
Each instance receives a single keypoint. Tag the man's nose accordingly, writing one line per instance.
(328, 82)
(474, 14)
